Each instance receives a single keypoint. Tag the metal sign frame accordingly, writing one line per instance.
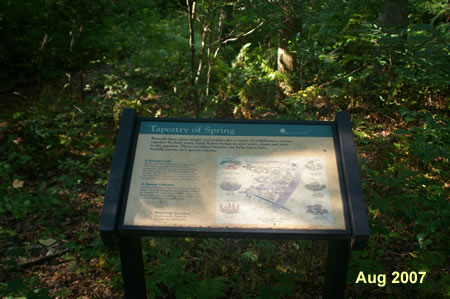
(128, 238)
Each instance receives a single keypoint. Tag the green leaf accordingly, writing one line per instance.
(47, 242)
(212, 287)
(396, 235)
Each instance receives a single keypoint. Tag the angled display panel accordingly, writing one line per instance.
(231, 175)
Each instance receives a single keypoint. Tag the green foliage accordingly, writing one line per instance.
(355, 60)
(49, 37)
(57, 147)
(65, 142)
(170, 275)
(429, 139)
(23, 289)
(430, 11)
(409, 186)
(428, 147)
(253, 80)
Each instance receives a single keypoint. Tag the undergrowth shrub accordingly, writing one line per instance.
(51, 151)
(407, 198)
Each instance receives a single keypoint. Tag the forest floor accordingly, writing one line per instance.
(56, 251)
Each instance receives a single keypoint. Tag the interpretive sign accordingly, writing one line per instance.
(235, 175)
(234, 178)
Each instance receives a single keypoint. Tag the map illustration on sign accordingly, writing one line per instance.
(261, 189)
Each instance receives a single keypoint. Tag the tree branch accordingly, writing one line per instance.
(42, 259)
(242, 35)
(349, 74)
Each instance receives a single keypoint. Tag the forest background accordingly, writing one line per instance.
(68, 68)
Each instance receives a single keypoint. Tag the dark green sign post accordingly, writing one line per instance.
(234, 179)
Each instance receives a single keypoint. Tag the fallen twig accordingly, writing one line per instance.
(42, 259)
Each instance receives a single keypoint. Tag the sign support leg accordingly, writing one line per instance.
(132, 267)
(336, 268)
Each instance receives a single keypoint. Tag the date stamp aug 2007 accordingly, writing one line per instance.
(403, 277)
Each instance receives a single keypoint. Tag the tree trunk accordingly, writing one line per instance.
(395, 14)
(290, 27)
(217, 39)
(191, 17)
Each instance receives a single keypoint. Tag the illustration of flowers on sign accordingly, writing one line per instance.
(229, 208)
(230, 186)
(231, 164)
(314, 165)
(315, 186)
(316, 209)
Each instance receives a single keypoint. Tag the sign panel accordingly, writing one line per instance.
(232, 175)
